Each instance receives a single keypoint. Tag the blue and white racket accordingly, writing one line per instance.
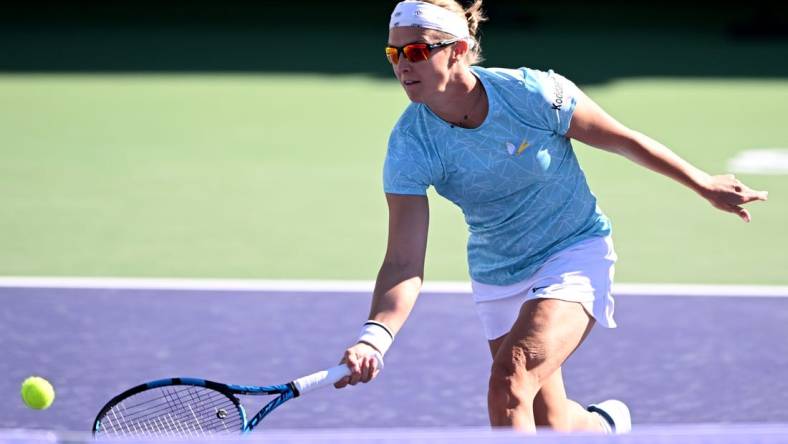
(190, 407)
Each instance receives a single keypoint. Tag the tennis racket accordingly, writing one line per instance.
(191, 407)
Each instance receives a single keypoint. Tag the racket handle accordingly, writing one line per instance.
(321, 379)
(326, 377)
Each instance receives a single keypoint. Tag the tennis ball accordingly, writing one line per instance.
(37, 393)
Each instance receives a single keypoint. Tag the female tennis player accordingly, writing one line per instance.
(496, 142)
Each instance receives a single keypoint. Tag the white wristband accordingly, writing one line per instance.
(377, 335)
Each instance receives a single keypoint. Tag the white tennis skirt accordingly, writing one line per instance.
(580, 273)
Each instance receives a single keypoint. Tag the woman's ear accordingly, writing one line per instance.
(460, 50)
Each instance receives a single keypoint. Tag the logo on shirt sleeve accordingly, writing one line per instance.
(558, 93)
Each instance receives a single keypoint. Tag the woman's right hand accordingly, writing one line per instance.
(727, 193)
(364, 363)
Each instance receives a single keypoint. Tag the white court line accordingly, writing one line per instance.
(320, 286)
(702, 432)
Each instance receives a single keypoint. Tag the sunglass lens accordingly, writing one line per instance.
(392, 54)
(417, 52)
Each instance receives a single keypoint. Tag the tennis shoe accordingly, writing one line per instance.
(615, 413)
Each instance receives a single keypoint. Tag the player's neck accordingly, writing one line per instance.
(463, 103)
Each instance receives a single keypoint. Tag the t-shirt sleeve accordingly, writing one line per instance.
(408, 167)
(551, 99)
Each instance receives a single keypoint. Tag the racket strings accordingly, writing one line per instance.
(164, 404)
(180, 423)
(187, 411)
(152, 406)
(163, 425)
(185, 424)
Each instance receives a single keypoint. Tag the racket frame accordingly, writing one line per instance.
(285, 392)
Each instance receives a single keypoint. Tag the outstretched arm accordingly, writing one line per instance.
(398, 282)
(593, 126)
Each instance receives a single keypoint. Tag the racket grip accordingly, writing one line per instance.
(321, 379)
(326, 377)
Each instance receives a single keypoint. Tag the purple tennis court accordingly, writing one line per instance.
(677, 360)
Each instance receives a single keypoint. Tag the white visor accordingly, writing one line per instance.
(429, 16)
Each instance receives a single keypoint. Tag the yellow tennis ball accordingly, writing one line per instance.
(37, 393)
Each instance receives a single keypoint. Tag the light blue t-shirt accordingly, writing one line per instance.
(515, 177)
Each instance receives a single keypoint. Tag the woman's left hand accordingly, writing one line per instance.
(727, 193)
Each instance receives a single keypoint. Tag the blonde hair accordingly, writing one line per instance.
(474, 16)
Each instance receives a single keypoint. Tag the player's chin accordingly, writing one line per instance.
(414, 95)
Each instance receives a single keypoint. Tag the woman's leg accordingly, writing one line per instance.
(553, 409)
(529, 357)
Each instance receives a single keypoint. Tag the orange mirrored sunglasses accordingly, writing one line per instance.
(414, 52)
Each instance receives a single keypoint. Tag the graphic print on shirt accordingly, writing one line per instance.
(511, 148)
